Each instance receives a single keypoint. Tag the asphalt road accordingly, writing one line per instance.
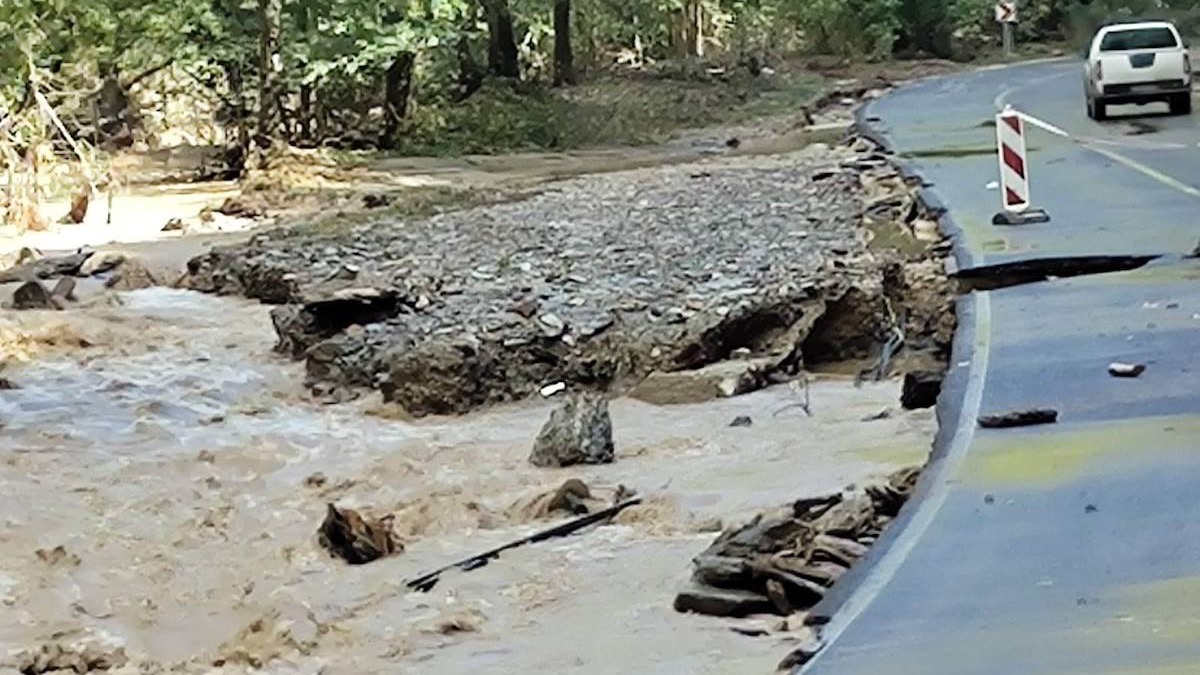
(1064, 549)
(1132, 186)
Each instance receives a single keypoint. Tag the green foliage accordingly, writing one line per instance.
(334, 55)
(850, 27)
(1083, 18)
(609, 110)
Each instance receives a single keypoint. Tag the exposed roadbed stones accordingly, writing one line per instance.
(1126, 370)
(474, 319)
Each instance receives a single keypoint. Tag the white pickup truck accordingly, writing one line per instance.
(1137, 63)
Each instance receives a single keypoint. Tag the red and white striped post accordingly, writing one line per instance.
(1015, 201)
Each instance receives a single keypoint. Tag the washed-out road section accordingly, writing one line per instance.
(1071, 548)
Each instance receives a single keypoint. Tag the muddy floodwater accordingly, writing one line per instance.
(160, 442)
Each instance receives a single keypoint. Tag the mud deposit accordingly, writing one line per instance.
(164, 479)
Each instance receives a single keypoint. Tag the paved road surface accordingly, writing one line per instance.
(1129, 192)
(1073, 548)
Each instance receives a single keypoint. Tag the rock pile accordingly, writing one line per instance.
(32, 269)
(784, 562)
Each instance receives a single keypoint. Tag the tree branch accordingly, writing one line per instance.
(152, 70)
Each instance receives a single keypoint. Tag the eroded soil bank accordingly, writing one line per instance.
(600, 282)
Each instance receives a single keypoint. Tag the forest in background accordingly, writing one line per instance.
(437, 76)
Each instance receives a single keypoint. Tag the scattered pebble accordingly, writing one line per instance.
(1129, 370)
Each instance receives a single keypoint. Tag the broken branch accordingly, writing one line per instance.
(426, 582)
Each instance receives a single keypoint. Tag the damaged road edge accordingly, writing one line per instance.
(957, 409)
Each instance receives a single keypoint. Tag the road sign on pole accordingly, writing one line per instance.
(1006, 11)
(1006, 16)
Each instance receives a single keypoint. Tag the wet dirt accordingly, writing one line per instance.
(162, 442)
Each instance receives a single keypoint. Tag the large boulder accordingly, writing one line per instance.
(33, 295)
(578, 432)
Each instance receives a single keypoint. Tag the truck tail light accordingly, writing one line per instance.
(1099, 70)
(1187, 63)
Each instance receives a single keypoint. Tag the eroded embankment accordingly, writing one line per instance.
(602, 281)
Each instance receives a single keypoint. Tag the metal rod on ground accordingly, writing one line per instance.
(426, 582)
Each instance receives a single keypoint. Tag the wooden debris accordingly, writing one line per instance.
(777, 594)
(710, 601)
(45, 268)
(79, 205)
(1020, 418)
(64, 290)
(814, 506)
(426, 582)
(799, 656)
(836, 549)
(722, 571)
(786, 560)
(357, 540)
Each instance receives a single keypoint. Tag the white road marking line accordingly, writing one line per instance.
(1145, 170)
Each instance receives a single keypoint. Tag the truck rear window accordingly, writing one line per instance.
(1140, 38)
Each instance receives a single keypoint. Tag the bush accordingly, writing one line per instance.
(1082, 19)
(850, 28)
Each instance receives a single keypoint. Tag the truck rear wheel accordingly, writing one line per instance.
(1181, 104)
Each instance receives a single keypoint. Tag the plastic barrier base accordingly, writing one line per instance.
(1027, 217)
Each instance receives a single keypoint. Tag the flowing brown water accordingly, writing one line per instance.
(162, 443)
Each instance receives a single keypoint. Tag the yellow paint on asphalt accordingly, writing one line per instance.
(1167, 607)
(1048, 457)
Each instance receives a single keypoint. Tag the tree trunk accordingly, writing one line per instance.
(502, 44)
(470, 73)
(564, 59)
(397, 90)
(237, 143)
(270, 64)
(305, 113)
(689, 35)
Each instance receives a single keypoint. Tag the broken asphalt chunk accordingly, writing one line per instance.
(1021, 418)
